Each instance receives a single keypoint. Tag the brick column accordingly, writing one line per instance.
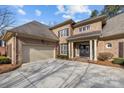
(69, 49)
(14, 50)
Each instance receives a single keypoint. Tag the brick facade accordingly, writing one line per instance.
(2, 51)
(114, 49)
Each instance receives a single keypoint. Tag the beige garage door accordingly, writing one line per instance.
(33, 53)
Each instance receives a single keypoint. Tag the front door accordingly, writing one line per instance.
(84, 50)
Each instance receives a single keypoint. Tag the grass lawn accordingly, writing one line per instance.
(8, 67)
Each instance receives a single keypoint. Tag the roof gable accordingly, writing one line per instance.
(35, 28)
(70, 21)
(90, 20)
(114, 26)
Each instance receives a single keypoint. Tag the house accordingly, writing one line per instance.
(90, 37)
(34, 41)
(80, 39)
(30, 42)
(2, 48)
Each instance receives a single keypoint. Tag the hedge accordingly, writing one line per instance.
(62, 56)
(104, 56)
(4, 60)
(119, 61)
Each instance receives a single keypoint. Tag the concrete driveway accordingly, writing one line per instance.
(62, 73)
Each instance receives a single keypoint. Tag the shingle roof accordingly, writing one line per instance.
(114, 26)
(69, 21)
(89, 20)
(35, 28)
(85, 35)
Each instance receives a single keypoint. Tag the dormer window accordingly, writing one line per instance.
(64, 32)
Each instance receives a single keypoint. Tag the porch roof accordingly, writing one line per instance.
(86, 35)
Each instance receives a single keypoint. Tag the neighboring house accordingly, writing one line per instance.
(34, 41)
(30, 42)
(90, 37)
(2, 48)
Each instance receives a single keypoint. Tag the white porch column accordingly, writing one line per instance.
(91, 50)
(69, 49)
(95, 50)
(72, 48)
(3, 43)
(54, 52)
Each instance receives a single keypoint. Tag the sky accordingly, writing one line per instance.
(51, 14)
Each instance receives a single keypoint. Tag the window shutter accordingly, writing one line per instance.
(58, 33)
(67, 32)
(121, 49)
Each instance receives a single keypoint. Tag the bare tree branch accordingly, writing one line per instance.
(6, 19)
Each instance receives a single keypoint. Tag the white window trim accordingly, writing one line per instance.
(64, 32)
(62, 46)
(81, 29)
(86, 29)
(107, 45)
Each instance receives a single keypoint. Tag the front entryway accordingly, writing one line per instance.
(84, 50)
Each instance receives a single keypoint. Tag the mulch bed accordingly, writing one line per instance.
(8, 67)
(107, 63)
(104, 63)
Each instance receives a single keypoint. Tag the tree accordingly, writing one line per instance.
(94, 13)
(6, 19)
(111, 10)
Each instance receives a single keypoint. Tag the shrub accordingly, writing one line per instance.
(4, 60)
(119, 61)
(62, 56)
(105, 56)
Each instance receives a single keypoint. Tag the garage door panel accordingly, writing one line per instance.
(35, 53)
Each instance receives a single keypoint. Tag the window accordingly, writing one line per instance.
(64, 32)
(80, 29)
(63, 49)
(88, 27)
(84, 28)
(108, 45)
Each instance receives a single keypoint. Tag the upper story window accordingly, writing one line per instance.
(80, 29)
(88, 27)
(84, 28)
(64, 32)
